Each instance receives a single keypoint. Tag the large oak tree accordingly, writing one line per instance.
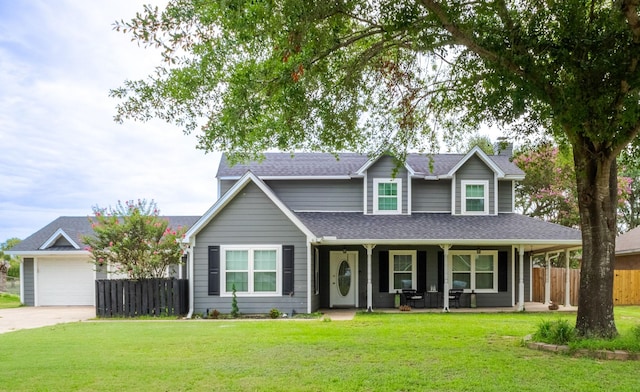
(331, 75)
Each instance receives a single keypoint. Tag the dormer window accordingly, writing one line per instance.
(387, 196)
(475, 197)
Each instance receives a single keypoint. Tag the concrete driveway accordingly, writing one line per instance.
(28, 317)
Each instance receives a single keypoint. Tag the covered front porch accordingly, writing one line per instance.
(372, 277)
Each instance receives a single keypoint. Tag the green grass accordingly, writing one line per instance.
(9, 301)
(374, 352)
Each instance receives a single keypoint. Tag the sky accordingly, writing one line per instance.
(61, 153)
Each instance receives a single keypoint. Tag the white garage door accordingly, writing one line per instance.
(65, 281)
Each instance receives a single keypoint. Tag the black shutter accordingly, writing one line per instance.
(383, 277)
(421, 271)
(440, 271)
(503, 264)
(214, 270)
(287, 269)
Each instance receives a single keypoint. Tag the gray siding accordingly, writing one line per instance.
(320, 195)
(225, 185)
(27, 277)
(431, 196)
(505, 196)
(474, 170)
(383, 168)
(251, 219)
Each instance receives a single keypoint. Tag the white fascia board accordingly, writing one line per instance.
(231, 194)
(514, 177)
(59, 233)
(483, 157)
(270, 178)
(36, 253)
(575, 244)
(371, 161)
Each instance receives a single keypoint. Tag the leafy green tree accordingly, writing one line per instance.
(629, 211)
(548, 191)
(13, 261)
(482, 141)
(253, 75)
(134, 239)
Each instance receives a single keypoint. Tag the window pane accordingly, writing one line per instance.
(264, 260)
(475, 205)
(402, 263)
(461, 263)
(387, 203)
(475, 190)
(484, 281)
(240, 279)
(237, 260)
(461, 280)
(264, 281)
(402, 281)
(484, 263)
(387, 189)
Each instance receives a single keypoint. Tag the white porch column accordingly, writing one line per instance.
(567, 280)
(521, 279)
(369, 248)
(445, 290)
(547, 279)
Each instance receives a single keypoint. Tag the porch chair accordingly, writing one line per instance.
(454, 297)
(411, 297)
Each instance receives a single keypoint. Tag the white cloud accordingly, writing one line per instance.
(60, 150)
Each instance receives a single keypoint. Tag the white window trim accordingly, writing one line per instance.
(377, 181)
(463, 197)
(473, 254)
(414, 256)
(224, 292)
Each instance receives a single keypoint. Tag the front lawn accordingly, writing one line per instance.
(9, 301)
(374, 352)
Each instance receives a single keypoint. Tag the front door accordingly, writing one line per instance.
(343, 284)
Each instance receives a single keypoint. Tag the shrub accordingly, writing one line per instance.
(274, 313)
(555, 332)
(214, 314)
(635, 331)
(235, 312)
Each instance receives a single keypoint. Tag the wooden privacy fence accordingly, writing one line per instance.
(557, 285)
(626, 286)
(145, 297)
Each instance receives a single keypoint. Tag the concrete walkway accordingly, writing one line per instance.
(28, 317)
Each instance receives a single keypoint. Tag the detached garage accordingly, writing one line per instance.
(56, 270)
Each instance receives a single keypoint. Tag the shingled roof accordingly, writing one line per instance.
(628, 242)
(437, 227)
(76, 227)
(345, 164)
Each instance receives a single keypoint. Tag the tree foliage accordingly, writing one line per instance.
(548, 191)
(629, 210)
(12, 263)
(254, 75)
(134, 239)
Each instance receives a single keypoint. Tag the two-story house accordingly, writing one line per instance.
(310, 231)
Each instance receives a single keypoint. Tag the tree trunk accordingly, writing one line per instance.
(596, 175)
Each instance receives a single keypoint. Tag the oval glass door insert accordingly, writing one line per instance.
(344, 278)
